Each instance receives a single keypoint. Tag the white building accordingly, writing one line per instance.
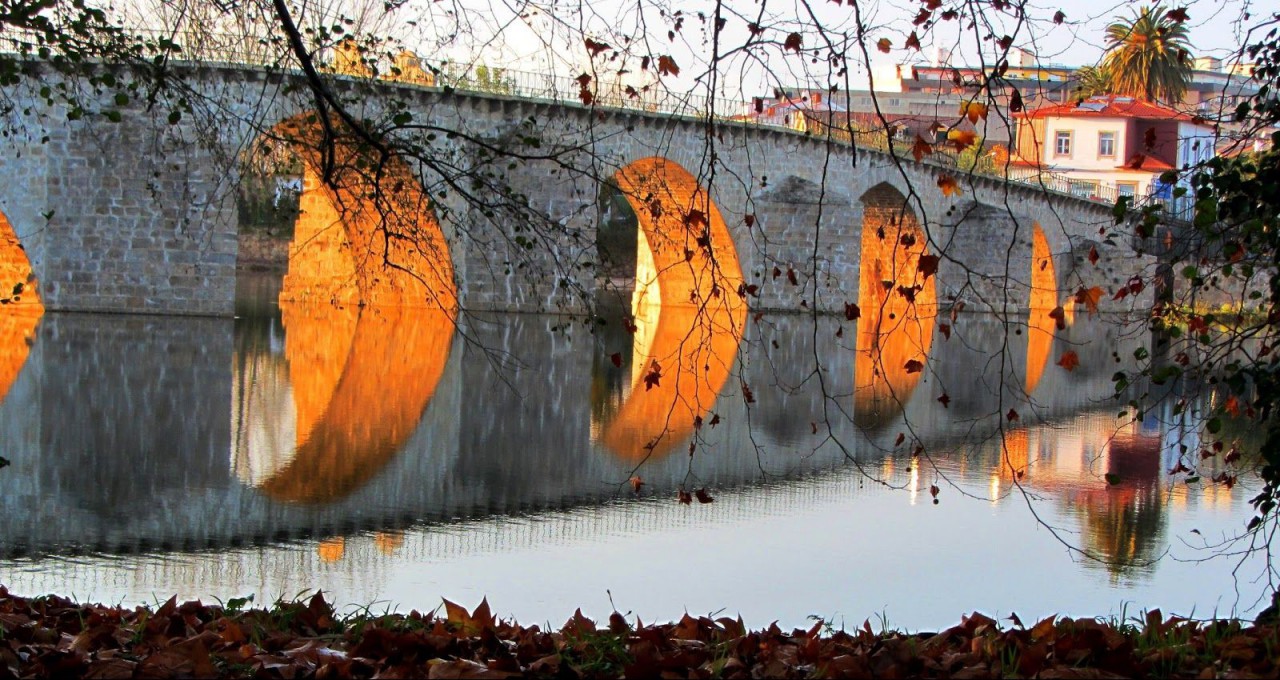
(1110, 146)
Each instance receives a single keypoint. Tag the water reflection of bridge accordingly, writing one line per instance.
(120, 428)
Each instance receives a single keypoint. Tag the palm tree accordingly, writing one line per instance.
(1092, 81)
(1148, 56)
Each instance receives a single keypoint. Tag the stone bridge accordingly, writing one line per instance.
(486, 202)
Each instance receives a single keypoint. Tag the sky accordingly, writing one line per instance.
(548, 35)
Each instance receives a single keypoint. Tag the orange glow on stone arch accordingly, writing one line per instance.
(898, 305)
(1044, 297)
(690, 328)
(368, 237)
(21, 310)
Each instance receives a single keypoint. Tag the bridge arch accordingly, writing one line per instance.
(20, 306)
(369, 236)
(688, 310)
(897, 303)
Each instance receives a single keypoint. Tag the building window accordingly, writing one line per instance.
(1062, 143)
(1129, 189)
(1106, 144)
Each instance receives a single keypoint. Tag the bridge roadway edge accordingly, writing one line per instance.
(155, 232)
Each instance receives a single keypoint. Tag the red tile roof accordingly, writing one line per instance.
(1110, 106)
(1144, 163)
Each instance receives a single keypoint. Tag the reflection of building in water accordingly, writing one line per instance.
(21, 309)
(357, 385)
(687, 311)
(898, 305)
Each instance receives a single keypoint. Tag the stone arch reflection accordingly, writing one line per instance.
(352, 388)
(1044, 297)
(370, 236)
(898, 305)
(688, 311)
(20, 306)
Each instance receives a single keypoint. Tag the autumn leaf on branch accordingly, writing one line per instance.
(913, 366)
(684, 497)
(653, 376)
(920, 148)
(595, 48)
(636, 483)
(1089, 298)
(1069, 360)
(973, 111)
(616, 359)
(1059, 17)
(703, 496)
(962, 139)
(667, 66)
(944, 400)
(1012, 415)
(913, 42)
(793, 42)
(949, 185)
(928, 265)
(1093, 255)
(945, 329)
(851, 311)
(1059, 316)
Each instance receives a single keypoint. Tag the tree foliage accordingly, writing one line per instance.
(1148, 55)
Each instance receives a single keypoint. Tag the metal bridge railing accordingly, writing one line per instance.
(345, 59)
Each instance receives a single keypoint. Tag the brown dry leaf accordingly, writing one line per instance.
(1093, 255)
(1069, 360)
(884, 45)
(920, 149)
(667, 66)
(928, 265)
(703, 496)
(793, 42)
(913, 366)
(1059, 315)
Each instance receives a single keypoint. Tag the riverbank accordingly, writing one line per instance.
(51, 635)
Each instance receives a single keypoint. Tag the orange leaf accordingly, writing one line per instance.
(1089, 298)
(884, 45)
(974, 110)
(961, 139)
(1069, 360)
(949, 185)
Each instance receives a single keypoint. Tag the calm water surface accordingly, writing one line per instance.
(392, 459)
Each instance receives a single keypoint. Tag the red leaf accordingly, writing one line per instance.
(1069, 360)
(667, 66)
(913, 366)
(933, 490)
(636, 483)
(1012, 415)
(1059, 17)
(703, 496)
(715, 420)
(684, 496)
(902, 436)
(920, 148)
(944, 400)
(1179, 14)
(1093, 255)
(791, 277)
(749, 220)
(945, 329)
(913, 42)
(776, 272)
(851, 311)
(793, 42)
(616, 358)
(884, 45)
